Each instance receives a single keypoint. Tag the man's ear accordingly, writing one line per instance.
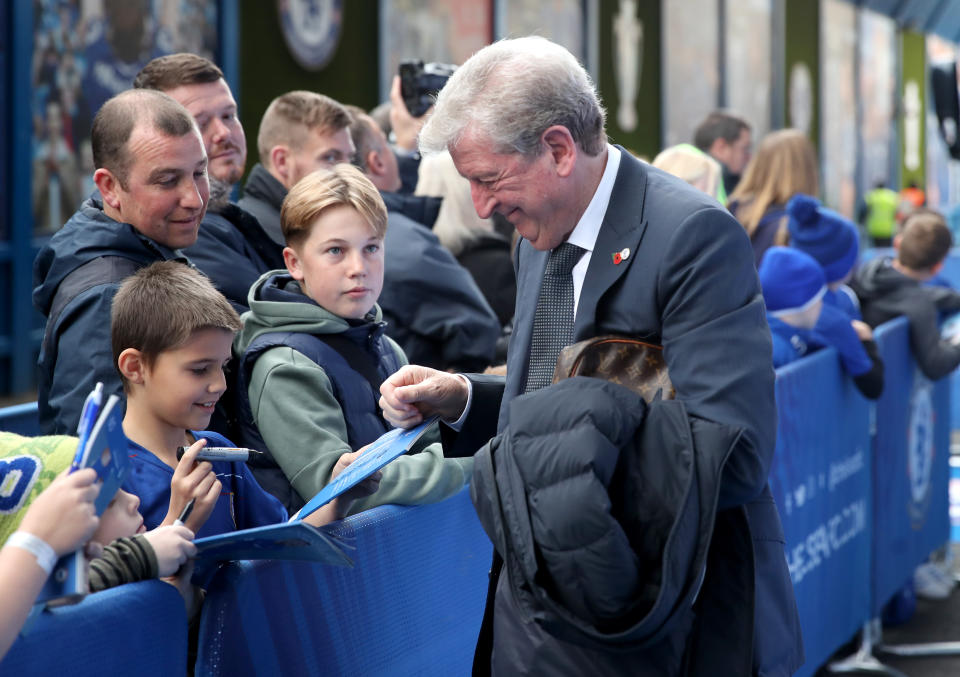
(562, 148)
(131, 364)
(897, 239)
(109, 187)
(936, 268)
(374, 163)
(280, 164)
(292, 260)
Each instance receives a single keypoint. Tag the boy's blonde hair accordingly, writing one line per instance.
(343, 185)
(159, 308)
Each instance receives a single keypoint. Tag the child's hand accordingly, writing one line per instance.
(173, 546)
(864, 332)
(361, 489)
(339, 507)
(63, 514)
(193, 480)
(192, 595)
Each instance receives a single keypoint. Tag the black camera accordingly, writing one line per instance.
(420, 82)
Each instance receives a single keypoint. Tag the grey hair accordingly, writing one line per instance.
(512, 91)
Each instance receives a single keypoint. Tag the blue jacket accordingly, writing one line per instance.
(234, 251)
(242, 503)
(83, 325)
(832, 329)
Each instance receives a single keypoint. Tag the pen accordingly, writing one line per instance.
(188, 508)
(91, 407)
(220, 453)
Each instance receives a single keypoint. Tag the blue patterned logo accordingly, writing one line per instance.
(920, 448)
(17, 475)
(311, 29)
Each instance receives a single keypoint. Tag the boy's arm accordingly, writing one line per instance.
(126, 560)
(935, 357)
(300, 420)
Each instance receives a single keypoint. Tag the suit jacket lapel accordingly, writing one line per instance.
(622, 228)
(532, 264)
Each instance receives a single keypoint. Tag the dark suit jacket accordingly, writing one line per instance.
(690, 284)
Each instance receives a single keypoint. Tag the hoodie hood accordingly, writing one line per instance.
(878, 278)
(89, 234)
(277, 303)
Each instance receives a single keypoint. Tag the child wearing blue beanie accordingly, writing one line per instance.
(833, 241)
(794, 289)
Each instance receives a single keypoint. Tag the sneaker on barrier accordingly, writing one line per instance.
(928, 584)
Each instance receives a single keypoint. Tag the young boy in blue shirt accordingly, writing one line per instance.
(313, 350)
(171, 334)
(794, 286)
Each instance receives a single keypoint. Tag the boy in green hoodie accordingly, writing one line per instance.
(314, 353)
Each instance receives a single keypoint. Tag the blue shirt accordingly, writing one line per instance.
(242, 503)
(832, 329)
(844, 299)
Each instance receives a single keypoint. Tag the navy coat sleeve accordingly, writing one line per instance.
(84, 356)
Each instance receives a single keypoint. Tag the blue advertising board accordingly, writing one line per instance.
(911, 466)
(820, 478)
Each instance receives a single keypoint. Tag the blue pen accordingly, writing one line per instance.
(91, 407)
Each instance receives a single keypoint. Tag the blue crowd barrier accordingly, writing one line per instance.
(861, 487)
(412, 604)
(20, 419)
(821, 482)
(911, 465)
(137, 629)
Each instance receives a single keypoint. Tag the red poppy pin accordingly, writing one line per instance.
(621, 255)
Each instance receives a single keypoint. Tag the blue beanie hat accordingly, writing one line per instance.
(823, 234)
(791, 280)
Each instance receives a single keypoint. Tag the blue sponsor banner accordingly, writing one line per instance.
(821, 478)
(911, 471)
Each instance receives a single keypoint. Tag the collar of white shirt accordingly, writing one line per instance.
(588, 227)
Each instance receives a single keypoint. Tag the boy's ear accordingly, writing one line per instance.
(292, 261)
(897, 239)
(132, 366)
(936, 268)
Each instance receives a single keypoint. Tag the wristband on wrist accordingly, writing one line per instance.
(39, 548)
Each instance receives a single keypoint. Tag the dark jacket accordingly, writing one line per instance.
(83, 325)
(432, 306)
(886, 293)
(234, 251)
(601, 571)
(262, 197)
(487, 258)
(690, 285)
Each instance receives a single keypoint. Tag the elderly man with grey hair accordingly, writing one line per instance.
(610, 246)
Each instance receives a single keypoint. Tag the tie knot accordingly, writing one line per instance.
(564, 258)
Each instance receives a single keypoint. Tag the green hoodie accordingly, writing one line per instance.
(300, 420)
